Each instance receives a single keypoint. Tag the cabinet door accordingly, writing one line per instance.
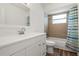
(19, 53)
(34, 50)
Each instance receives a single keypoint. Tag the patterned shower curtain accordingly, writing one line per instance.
(72, 35)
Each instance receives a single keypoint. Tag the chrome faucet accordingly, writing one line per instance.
(22, 31)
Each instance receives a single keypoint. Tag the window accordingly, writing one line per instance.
(60, 18)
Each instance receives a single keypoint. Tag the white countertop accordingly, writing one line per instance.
(9, 39)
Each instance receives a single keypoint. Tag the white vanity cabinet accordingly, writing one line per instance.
(35, 46)
(34, 49)
(38, 48)
(21, 52)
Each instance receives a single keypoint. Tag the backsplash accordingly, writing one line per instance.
(12, 29)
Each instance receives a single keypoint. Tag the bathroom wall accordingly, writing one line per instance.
(36, 17)
(46, 23)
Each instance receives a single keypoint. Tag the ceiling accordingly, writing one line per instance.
(51, 8)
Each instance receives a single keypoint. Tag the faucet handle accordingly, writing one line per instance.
(21, 31)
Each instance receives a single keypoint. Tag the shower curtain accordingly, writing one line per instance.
(72, 35)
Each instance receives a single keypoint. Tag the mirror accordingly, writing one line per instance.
(14, 14)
